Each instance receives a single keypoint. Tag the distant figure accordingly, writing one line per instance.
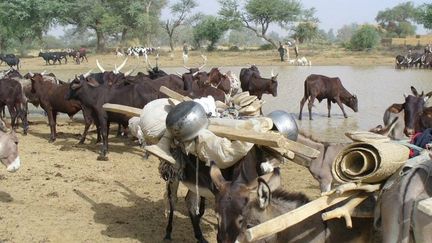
(281, 51)
(296, 49)
(185, 52)
(428, 49)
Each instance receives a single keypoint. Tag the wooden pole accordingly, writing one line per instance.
(172, 94)
(123, 109)
(295, 216)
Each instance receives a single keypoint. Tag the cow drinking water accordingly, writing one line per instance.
(321, 87)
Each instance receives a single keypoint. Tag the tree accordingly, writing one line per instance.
(365, 38)
(397, 21)
(211, 29)
(258, 15)
(179, 12)
(424, 15)
(345, 33)
(107, 18)
(305, 31)
(25, 20)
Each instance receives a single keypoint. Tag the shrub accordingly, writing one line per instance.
(364, 38)
(266, 47)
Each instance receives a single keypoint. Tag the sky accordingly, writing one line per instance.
(333, 14)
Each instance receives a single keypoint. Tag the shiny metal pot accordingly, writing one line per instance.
(285, 123)
(185, 120)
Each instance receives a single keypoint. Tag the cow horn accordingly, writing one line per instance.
(129, 72)
(99, 66)
(85, 75)
(43, 73)
(179, 74)
(405, 95)
(187, 68)
(272, 74)
(121, 65)
(31, 74)
(195, 73)
(157, 59)
(115, 69)
(149, 66)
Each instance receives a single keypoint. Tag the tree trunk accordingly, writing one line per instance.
(123, 35)
(100, 45)
(171, 42)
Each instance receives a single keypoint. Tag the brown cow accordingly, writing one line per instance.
(322, 87)
(12, 95)
(416, 116)
(270, 203)
(52, 99)
(252, 81)
(219, 80)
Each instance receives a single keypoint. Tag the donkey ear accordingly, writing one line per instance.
(263, 193)
(428, 95)
(216, 176)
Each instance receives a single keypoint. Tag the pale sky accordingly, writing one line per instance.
(331, 13)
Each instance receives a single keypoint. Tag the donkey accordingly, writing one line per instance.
(211, 184)
(269, 203)
(397, 213)
(9, 150)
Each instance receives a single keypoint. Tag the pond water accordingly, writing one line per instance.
(377, 87)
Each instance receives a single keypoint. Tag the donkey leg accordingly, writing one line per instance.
(191, 202)
(171, 194)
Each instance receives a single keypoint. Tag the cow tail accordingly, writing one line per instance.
(306, 91)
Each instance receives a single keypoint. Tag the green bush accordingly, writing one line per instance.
(234, 48)
(266, 47)
(366, 37)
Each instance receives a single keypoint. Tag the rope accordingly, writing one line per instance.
(197, 187)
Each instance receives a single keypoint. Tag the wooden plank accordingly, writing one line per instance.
(265, 139)
(172, 94)
(122, 109)
(425, 206)
(295, 216)
(298, 148)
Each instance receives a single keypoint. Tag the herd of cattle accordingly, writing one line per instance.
(415, 59)
(49, 57)
(236, 212)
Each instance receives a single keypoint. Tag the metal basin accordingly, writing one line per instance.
(186, 120)
(285, 123)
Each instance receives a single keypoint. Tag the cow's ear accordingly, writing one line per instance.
(263, 193)
(396, 108)
(216, 176)
(414, 91)
(93, 82)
